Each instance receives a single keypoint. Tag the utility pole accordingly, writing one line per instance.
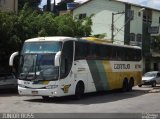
(54, 7)
(112, 35)
(112, 26)
(48, 5)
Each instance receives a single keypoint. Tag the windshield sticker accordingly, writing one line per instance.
(41, 82)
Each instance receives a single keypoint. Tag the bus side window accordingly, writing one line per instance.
(63, 66)
(66, 59)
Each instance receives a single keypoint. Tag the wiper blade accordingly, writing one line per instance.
(28, 73)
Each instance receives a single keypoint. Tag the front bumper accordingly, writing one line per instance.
(38, 92)
(147, 82)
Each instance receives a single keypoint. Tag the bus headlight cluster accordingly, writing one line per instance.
(51, 86)
(20, 85)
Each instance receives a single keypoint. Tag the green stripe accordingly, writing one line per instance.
(98, 74)
(95, 75)
(102, 74)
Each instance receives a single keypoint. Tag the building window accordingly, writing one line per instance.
(144, 18)
(132, 37)
(139, 37)
(149, 19)
(159, 20)
(82, 16)
(147, 16)
(130, 14)
(139, 14)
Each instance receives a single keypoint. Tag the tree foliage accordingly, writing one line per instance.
(32, 3)
(15, 29)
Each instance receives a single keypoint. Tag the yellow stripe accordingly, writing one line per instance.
(115, 79)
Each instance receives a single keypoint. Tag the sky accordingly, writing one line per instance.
(149, 3)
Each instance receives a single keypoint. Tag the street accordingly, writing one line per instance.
(141, 100)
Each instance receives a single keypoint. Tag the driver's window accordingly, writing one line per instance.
(66, 58)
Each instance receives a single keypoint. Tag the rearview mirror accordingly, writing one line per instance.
(57, 59)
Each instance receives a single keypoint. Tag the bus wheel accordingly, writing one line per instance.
(125, 85)
(79, 92)
(140, 85)
(131, 84)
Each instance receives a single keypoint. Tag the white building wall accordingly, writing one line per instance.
(137, 22)
(102, 19)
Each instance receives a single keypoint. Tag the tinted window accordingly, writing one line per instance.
(66, 59)
(81, 50)
(92, 51)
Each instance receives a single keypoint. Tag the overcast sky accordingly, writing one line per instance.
(149, 3)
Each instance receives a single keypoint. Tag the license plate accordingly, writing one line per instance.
(34, 92)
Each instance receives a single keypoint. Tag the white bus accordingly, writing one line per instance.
(62, 66)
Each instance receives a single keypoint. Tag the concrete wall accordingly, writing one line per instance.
(137, 22)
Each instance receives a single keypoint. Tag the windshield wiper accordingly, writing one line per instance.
(27, 74)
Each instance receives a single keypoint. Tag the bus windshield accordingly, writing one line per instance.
(37, 61)
(41, 47)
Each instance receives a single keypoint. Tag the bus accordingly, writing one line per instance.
(63, 66)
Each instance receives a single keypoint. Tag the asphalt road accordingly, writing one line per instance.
(141, 100)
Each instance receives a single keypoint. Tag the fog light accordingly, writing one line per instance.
(53, 93)
(20, 85)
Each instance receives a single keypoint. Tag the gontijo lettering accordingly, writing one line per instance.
(121, 66)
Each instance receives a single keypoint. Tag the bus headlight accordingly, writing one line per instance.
(20, 85)
(51, 86)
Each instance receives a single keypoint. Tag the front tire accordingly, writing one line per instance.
(154, 84)
(131, 84)
(79, 92)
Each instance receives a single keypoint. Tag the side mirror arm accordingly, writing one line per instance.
(11, 59)
(57, 59)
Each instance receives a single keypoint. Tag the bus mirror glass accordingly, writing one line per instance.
(57, 59)
(11, 59)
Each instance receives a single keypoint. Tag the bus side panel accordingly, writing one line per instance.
(103, 76)
(107, 76)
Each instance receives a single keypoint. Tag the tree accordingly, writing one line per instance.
(32, 3)
(9, 41)
(15, 29)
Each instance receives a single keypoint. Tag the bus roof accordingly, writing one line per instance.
(84, 39)
(106, 42)
(54, 38)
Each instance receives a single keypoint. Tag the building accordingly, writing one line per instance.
(9, 5)
(125, 23)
